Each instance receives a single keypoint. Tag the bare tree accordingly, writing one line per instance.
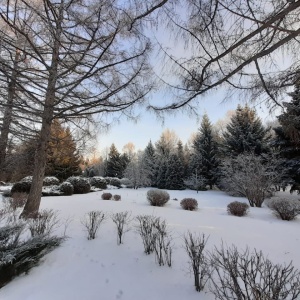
(239, 45)
(87, 58)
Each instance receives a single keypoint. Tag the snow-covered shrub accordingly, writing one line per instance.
(157, 197)
(125, 182)
(251, 176)
(98, 182)
(81, 185)
(44, 223)
(189, 204)
(117, 197)
(92, 222)
(199, 263)
(246, 275)
(27, 179)
(285, 209)
(237, 208)
(66, 188)
(6, 193)
(122, 221)
(147, 231)
(53, 190)
(113, 181)
(50, 180)
(19, 256)
(21, 187)
(106, 196)
(196, 182)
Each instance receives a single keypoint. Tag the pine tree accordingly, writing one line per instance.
(205, 160)
(63, 158)
(287, 138)
(115, 165)
(174, 173)
(245, 133)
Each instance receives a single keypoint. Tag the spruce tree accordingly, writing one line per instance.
(183, 156)
(174, 173)
(205, 160)
(245, 133)
(149, 163)
(287, 138)
(114, 166)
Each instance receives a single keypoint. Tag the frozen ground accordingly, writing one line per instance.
(100, 269)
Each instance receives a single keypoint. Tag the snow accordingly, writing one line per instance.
(100, 269)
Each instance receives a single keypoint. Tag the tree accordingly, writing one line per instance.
(63, 158)
(287, 139)
(174, 173)
(205, 160)
(245, 133)
(114, 163)
(251, 176)
(237, 47)
(149, 163)
(183, 155)
(87, 58)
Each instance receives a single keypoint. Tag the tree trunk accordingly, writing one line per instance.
(34, 199)
(7, 118)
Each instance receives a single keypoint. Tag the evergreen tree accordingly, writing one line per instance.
(115, 165)
(245, 133)
(205, 160)
(63, 158)
(183, 155)
(287, 138)
(149, 163)
(162, 168)
(174, 173)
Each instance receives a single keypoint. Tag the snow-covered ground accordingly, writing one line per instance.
(101, 269)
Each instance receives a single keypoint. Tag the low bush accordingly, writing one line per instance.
(157, 197)
(237, 208)
(81, 185)
(117, 197)
(106, 196)
(53, 190)
(113, 181)
(18, 200)
(67, 188)
(189, 204)
(125, 182)
(21, 187)
(98, 182)
(26, 179)
(50, 180)
(92, 223)
(285, 209)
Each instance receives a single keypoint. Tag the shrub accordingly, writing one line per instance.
(117, 197)
(122, 221)
(189, 204)
(21, 187)
(113, 181)
(237, 208)
(98, 182)
(157, 197)
(80, 184)
(26, 179)
(19, 256)
(246, 275)
(67, 188)
(285, 209)
(53, 190)
(106, 196)
(50, 180)
(126, 182)
(92, 222)
(17, 200)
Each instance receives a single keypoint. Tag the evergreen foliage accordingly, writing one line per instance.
(115, 163)
(149, 163)
(174, 174)
(245, 133)
(205, 160)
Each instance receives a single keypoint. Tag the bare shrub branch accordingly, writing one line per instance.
(92, 222)
(122, 221)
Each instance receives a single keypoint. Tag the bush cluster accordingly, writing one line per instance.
(80, 184)
(98, 182)
(237, 208)
(189, 204)
(67, 188)
(106, 196)
(50, 180)
(21, 187)
(113, 181)
(157, 197)
(285, 209)
(117, 197)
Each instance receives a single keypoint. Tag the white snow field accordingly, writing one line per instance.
(100, 269)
